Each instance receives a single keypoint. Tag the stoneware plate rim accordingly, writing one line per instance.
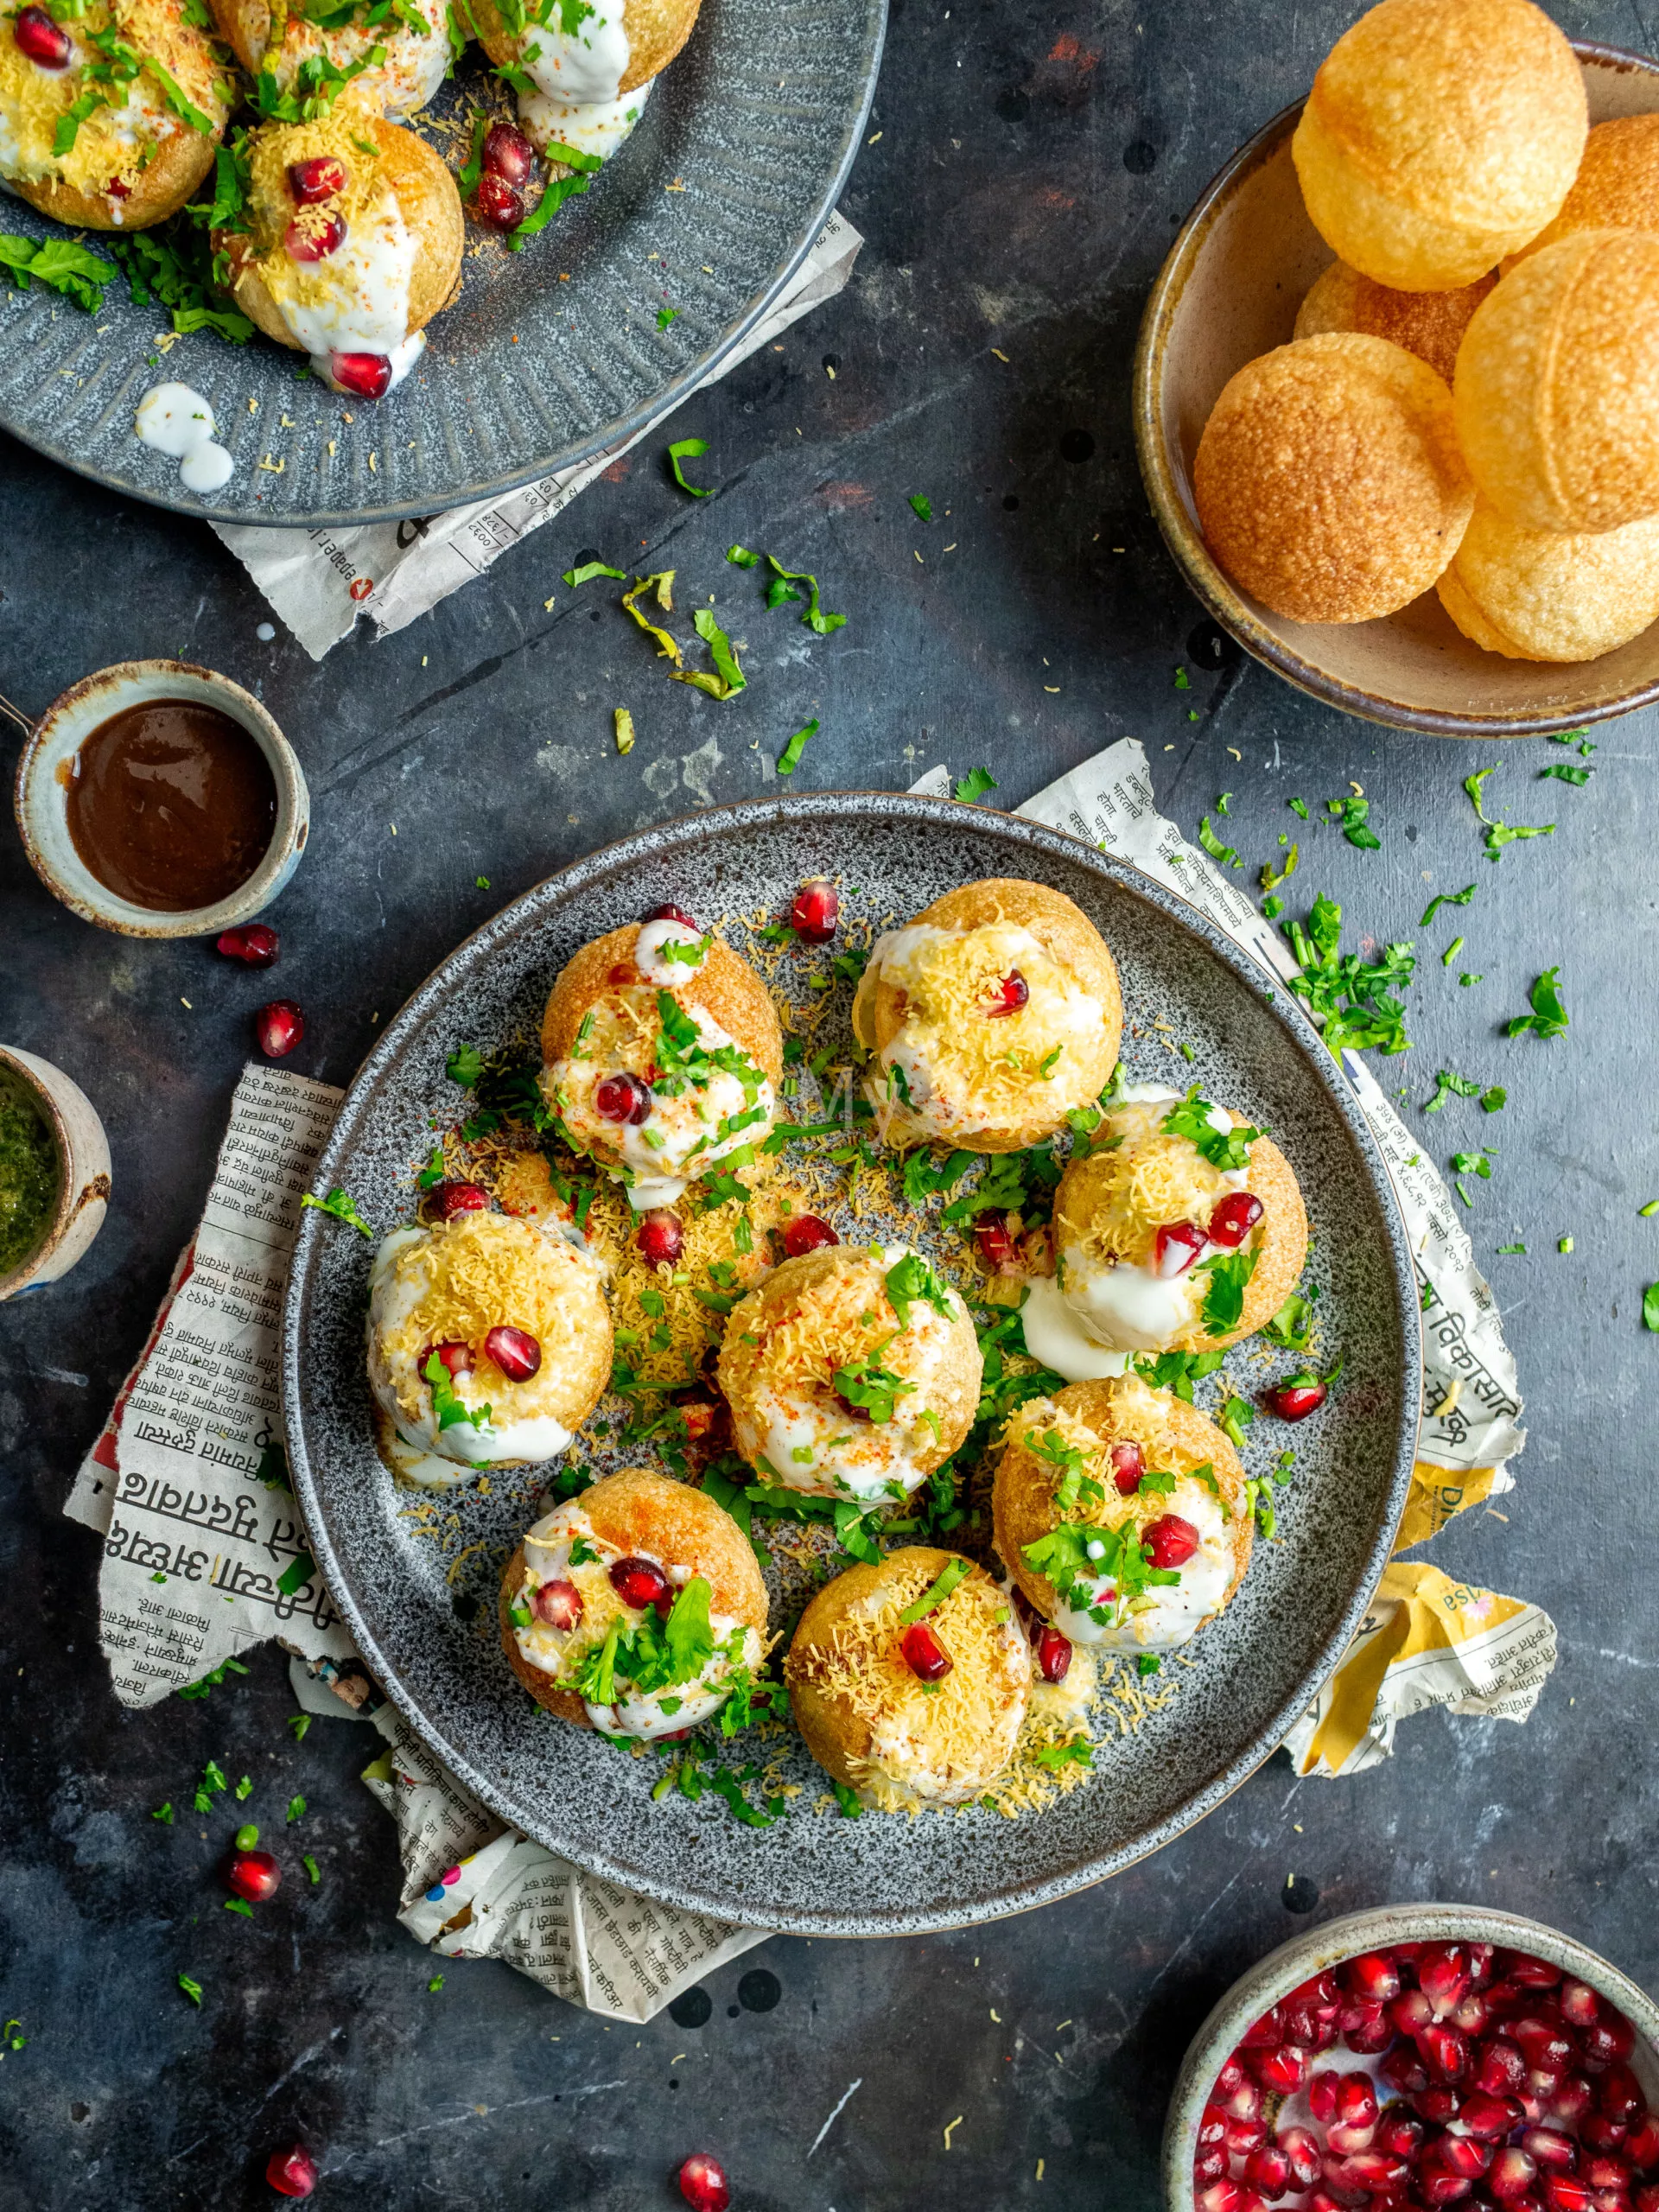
(272, 369)
(1202, 575)
(1005, 838)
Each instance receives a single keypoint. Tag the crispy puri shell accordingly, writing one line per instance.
(1429, 324)
(1328, 478)
(1551, 594)
(725, 985)
(1557, 390)
(1440, 136)
(1617, 187)
(1063, 930)
(640, 1510)
(656, 30)
(1022, 1500)
(954, 1393)
(162, 186)
(245, 25)
(430, 206)
(1281, 1254)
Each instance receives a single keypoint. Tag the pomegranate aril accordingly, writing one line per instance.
(666, 912)
(1356, 2099)
(1210, 2165)
(1442, 1977)
(805, 1232)
(1532, 1973)
(1642, 2144)
(1178, 1244)
(1435, 2186)
(1268, 2170)
(1010, 996)
(1550, 2147)
(1437, 2102)
(499, 204)
(1565, 2193)
(1322, 2095)
(1608, 2040)
(816, 910)
(1053, 1656)
(1500, 2068)
(639, 1582)
(1605, 2172)
(1489, 2117)
(1473, 2016)
(1322, 1993)
(925, 1655)
(515, 1351)
(1301, 2022)
(1510, 2175)
(558, 1604)
(622, 1098)
(254, 1875)
(1597, 2131)
(1251, 2200)
(1231, 2076)
(1373, 1977)
(622, 971)
(255, 944)
(1411, 2012)
(38, 38)
(1220, 2197)
(279, 1027)
(1212, 2126)
(451, 1198)
(1365, 2028)
(1344, 2139)
(292, 2172)
(1645, 2197)
(1445, 2053)
(1541, 2043)
(997, 1249)
(1295, 1400)
(1479, 1956)
(1463, 2154)
(704, 2184)
(453, 1354)
(1284, 2068)
(1398, 2134)
(1404, 2070)
(312, 241)
(1169, 1541)
(1301, 2156)
(1243, 2101)
(1244, 2135)
(1370, 2170)
(1128, 1464)
(508, 153)
(1619, 2093)
(1579, 2005)
(660, 1237)
(368, 376)
(1234, 1218)
(1570, 2101)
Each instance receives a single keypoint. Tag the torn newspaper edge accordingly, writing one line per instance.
(1425, 1640)
(320, 581)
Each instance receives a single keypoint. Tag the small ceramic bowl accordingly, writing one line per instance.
(1230, 291)
(42, 813)
(82, 1172)
(1304, 1957)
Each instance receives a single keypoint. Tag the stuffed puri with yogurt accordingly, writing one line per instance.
(663, 1056)
(853, 1371)
(1181, 1229)
(396, 59)
(1122, 1515)
(991, 1016)
(636, 1608)
(489, 1339)
(583, 68)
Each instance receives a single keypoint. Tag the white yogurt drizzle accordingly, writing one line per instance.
(176, 421)
(580, 68)
(546, 1558)
(1163, 1616)
(356, 299)
(598, 127)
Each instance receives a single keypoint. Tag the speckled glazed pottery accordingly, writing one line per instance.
(1228, 291)
(44, 768)
(84, 1172)
(1306, 1954)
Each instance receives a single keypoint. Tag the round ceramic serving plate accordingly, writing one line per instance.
(549, 355)
(1239, 269)
(427, 1628)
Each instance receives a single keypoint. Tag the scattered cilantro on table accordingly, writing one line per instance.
(1352, 814)
(921, 506)
(1352, 998)
(1499, 834)
(1549, 1017)
(688, 450)
(973, 786)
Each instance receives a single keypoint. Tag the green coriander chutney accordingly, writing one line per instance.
(29, 1174)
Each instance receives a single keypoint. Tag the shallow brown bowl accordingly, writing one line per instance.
(1230, 291)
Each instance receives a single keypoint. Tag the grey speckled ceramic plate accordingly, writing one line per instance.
(1254, 1671)
(758, 119)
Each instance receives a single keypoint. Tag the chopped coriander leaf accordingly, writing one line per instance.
(790, 759)
(296, 1810)
(164, 1813)
(1233, 1418)
(740, 557)
(312, 1869)
(1452, 952)
(937, 1592)
(1565, 1244)
(921, 506)
(1352, 813)
(912, 1280)
(687, 450)
(728, 678)
(245, 1787)
(1549, 1017)
(1213, 845)
(1183, 682)
(1564, 774)
(1350, 997)
(589, 570)
(1223, 1297)
(192, 1989)
(1223, 802)
(1272, 877)
(1648, 1211)
(1298, 806)
(664, 317)
(343, 1208)
(1077, 1752)
(1446, 899)
(1466, 980)
(435, 1984)
(300, 1724)
(1449, 1083)
(467, 176)
(1227, 1148)
(1293, 1324)
(1493, 1101)
(1651, 1307)
(1511, 1248)
(781, 588)
(973, 786)
(240, 1904)
(846, 1799)
(1147, 1662)
(247, 1838)
(59, 263)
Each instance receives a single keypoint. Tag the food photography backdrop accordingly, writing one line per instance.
(946, 445)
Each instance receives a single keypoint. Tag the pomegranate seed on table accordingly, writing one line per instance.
(515, 1351)
(622, 1098)
(558, 1604)
(308, 242)
(1294, 1400)
(1169, 1541)
(1011, 994)
(292, 2172)
(660, 1237)
(320, 178)
(807, 1232)
(1372, 1976)
(254, 1875)
(39, 39)
(667, 913)
(508, 153)
(451, 1198)
(366, 375)
(255, 944)
(704, 2184)
(816, 912)
(1234, 1218)
(1128, 1464)
(997, 1245)
(639, 1582)
(1178, 1244)
(279, 1027)
(1301, 2156)
(925, 1655)
(1053, 1656)
(499, 204)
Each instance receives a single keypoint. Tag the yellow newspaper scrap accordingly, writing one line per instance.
(1425, 1640)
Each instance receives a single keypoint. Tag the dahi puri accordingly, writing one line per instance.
(1429, 324)
(1557, 390)
(1328, 479)
(1617, 187)
(1440, 136)
(1552, 594)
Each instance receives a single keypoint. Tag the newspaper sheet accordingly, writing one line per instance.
(320, 581)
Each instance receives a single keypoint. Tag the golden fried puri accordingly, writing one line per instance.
(1552, 594)
(1617, 187)
(656, 31)
(725, 986)
(1328, 478)
(1429, 324)
(1440, 136)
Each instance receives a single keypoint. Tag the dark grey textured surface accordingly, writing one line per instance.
(1033, 237)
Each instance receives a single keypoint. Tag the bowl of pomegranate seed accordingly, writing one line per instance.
(1417, 2056)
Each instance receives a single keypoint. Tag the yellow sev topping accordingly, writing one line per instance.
(838, 1321)
(114, 141)
(1137, 1414)
(345, 133)
(1117, 1200)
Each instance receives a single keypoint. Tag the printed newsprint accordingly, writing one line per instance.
(320, 581)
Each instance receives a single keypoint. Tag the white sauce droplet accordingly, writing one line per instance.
(591, 126)
(1055, 1336)
(178, 421)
